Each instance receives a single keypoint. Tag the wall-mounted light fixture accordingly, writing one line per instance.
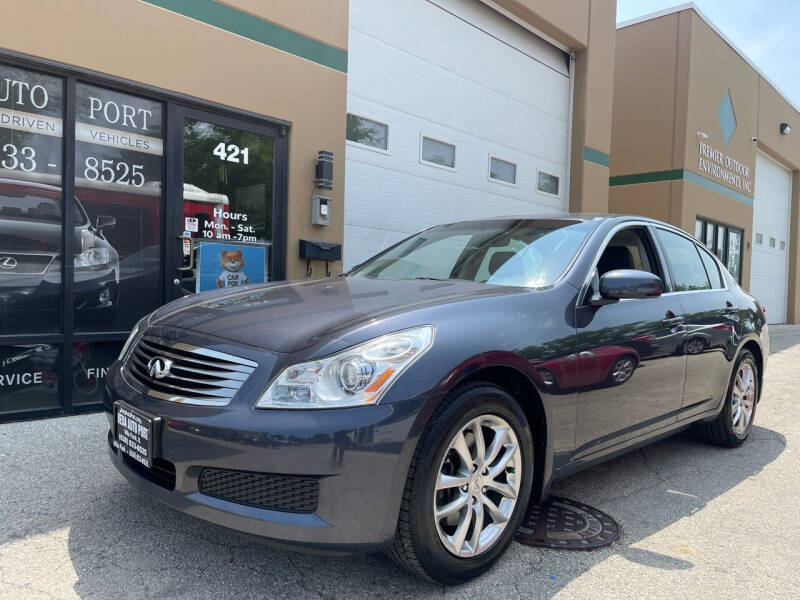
(324, 171)
(785, 129)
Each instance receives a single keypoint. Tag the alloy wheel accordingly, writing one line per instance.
(623, 369)
(743, 398)
(477, 486)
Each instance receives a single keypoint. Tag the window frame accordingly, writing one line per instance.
(422, 137)
(727, 227)
(702, 247)
(368, 117)
(500, 181)
(542, 192)
(658, 256)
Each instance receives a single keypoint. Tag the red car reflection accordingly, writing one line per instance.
(611, 365)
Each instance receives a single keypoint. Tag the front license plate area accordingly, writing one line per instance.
(133, 433)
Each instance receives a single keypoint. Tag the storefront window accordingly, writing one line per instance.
(724, 241)
(735, 253)
(103, 227)
(31, 202)
(29, 376)
(118, 172)
(90, 362)
(228, 183)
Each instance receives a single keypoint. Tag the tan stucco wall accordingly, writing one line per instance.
(145, 44)
(671, 75)
(715, 67)
(645, 100)
(649, 199)
(591, 118)
(325, 22)
(565, 22)
(773, 109)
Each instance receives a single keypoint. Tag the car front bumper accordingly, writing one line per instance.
(359, 456)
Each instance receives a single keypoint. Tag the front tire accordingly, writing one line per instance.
(468, 486)
(732, 426)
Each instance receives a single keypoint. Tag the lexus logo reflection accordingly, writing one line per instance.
(158, 367)
(8, 262)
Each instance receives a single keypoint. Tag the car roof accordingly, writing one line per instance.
(29, 184)
(569, 217)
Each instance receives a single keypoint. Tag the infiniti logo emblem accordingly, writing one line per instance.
(159, 367)
(8, 262)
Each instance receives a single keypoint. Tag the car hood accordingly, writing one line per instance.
(291, 316)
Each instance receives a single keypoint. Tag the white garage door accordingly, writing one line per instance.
(771, 216)
(456, 113)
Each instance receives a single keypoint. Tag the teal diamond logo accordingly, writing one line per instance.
(726, 118)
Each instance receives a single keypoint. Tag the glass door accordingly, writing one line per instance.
(228, 222)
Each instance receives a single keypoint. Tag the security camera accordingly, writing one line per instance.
(754, 138)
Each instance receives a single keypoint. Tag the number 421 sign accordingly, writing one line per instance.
(232, 153)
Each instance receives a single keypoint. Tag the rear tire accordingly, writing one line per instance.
(732, 426)
(431, 547)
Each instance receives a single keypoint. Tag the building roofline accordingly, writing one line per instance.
(725, 38)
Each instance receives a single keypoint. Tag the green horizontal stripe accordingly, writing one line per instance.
(677, 174)
(251, 27)
(595, 156)
(646, 177)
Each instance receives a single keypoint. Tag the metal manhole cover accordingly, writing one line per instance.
(563, 523)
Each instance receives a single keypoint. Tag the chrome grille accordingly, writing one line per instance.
(24, 263)
(196, 376)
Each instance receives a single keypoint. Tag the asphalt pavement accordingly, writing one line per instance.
(698, 522)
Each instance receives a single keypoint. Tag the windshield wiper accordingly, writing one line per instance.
(431, 278)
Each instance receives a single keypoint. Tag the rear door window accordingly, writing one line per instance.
(712, 269)
(685, 265)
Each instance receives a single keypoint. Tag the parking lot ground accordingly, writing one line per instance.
(698, 522)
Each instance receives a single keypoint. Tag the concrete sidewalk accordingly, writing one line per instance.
(698, 522)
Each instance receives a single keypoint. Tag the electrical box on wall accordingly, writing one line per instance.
(320, 210)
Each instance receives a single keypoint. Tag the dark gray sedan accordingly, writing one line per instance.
(418, 403)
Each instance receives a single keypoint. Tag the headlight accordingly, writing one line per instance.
(92, 257)
(137, 329)
(357, 376)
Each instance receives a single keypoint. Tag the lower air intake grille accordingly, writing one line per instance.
(286, 493)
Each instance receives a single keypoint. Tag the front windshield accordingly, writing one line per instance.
(36, 205)
(515, 252)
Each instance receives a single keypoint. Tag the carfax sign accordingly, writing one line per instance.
(229, 265)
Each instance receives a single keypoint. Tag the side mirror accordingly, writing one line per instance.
(627, 284)
(105, 222)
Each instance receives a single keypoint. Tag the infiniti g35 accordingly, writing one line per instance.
(420, 402)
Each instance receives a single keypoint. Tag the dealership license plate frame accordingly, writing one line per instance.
(145, 423)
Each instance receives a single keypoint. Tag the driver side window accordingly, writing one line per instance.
(629, 249)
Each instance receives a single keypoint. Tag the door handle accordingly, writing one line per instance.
(730, 309)
(673, 321)
(190, 266)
